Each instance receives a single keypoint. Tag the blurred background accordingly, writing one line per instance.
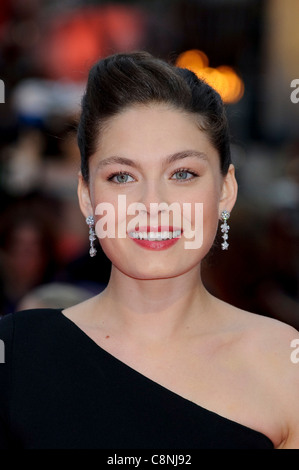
(247, 49)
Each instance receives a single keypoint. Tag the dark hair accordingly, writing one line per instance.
(125, 79)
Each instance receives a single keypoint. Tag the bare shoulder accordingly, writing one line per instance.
(271, 348)
(268, 342)
(277, 351)
(261, 332)
(267, 333)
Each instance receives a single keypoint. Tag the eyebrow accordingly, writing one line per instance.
(166, 161)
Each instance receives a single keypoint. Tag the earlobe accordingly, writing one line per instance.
(229, 191)
(84, 197)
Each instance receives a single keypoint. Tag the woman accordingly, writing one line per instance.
(153, 361)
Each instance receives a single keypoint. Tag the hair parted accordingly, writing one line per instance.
(125, 79)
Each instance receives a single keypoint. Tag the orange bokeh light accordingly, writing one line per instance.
(192, 58)
(223, 79)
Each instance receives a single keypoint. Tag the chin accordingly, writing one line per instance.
(151, 276)
(150, 265)
(147, 273)
(154, 270)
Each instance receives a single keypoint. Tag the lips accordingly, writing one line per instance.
(146, 237)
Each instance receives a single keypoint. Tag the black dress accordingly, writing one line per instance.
(60, 390)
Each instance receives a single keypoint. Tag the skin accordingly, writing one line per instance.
(155, 314)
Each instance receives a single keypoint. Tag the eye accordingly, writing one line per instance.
(120, 177)
(182, 174)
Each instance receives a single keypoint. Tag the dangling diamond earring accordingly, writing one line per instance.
(92, 235)
(224, 229)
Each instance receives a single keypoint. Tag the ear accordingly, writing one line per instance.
(84, 196)
(229, 191)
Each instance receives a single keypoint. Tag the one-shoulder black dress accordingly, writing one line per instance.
(60, 390)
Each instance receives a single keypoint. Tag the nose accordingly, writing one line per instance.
(153, 199)
(155, 207)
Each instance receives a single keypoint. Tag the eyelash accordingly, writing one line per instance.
(187, 170)
(119, 173)
(176, 171)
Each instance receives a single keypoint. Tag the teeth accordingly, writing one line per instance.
(155, 236)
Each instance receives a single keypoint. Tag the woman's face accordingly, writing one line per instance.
(157, 157)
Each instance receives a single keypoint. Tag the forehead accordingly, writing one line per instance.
(148, 133)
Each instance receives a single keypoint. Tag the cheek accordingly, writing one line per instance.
(202, 220)
(107, 220)
(105, 208)
(210, 218)
(205, 202)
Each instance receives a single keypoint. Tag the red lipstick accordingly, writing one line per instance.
(142, 236)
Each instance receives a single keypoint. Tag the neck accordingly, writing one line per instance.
(156, 309)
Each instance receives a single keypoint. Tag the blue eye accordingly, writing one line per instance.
(182, 174)
(121, 178)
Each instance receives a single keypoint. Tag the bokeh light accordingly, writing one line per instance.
(223, 78)
(77, 39)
